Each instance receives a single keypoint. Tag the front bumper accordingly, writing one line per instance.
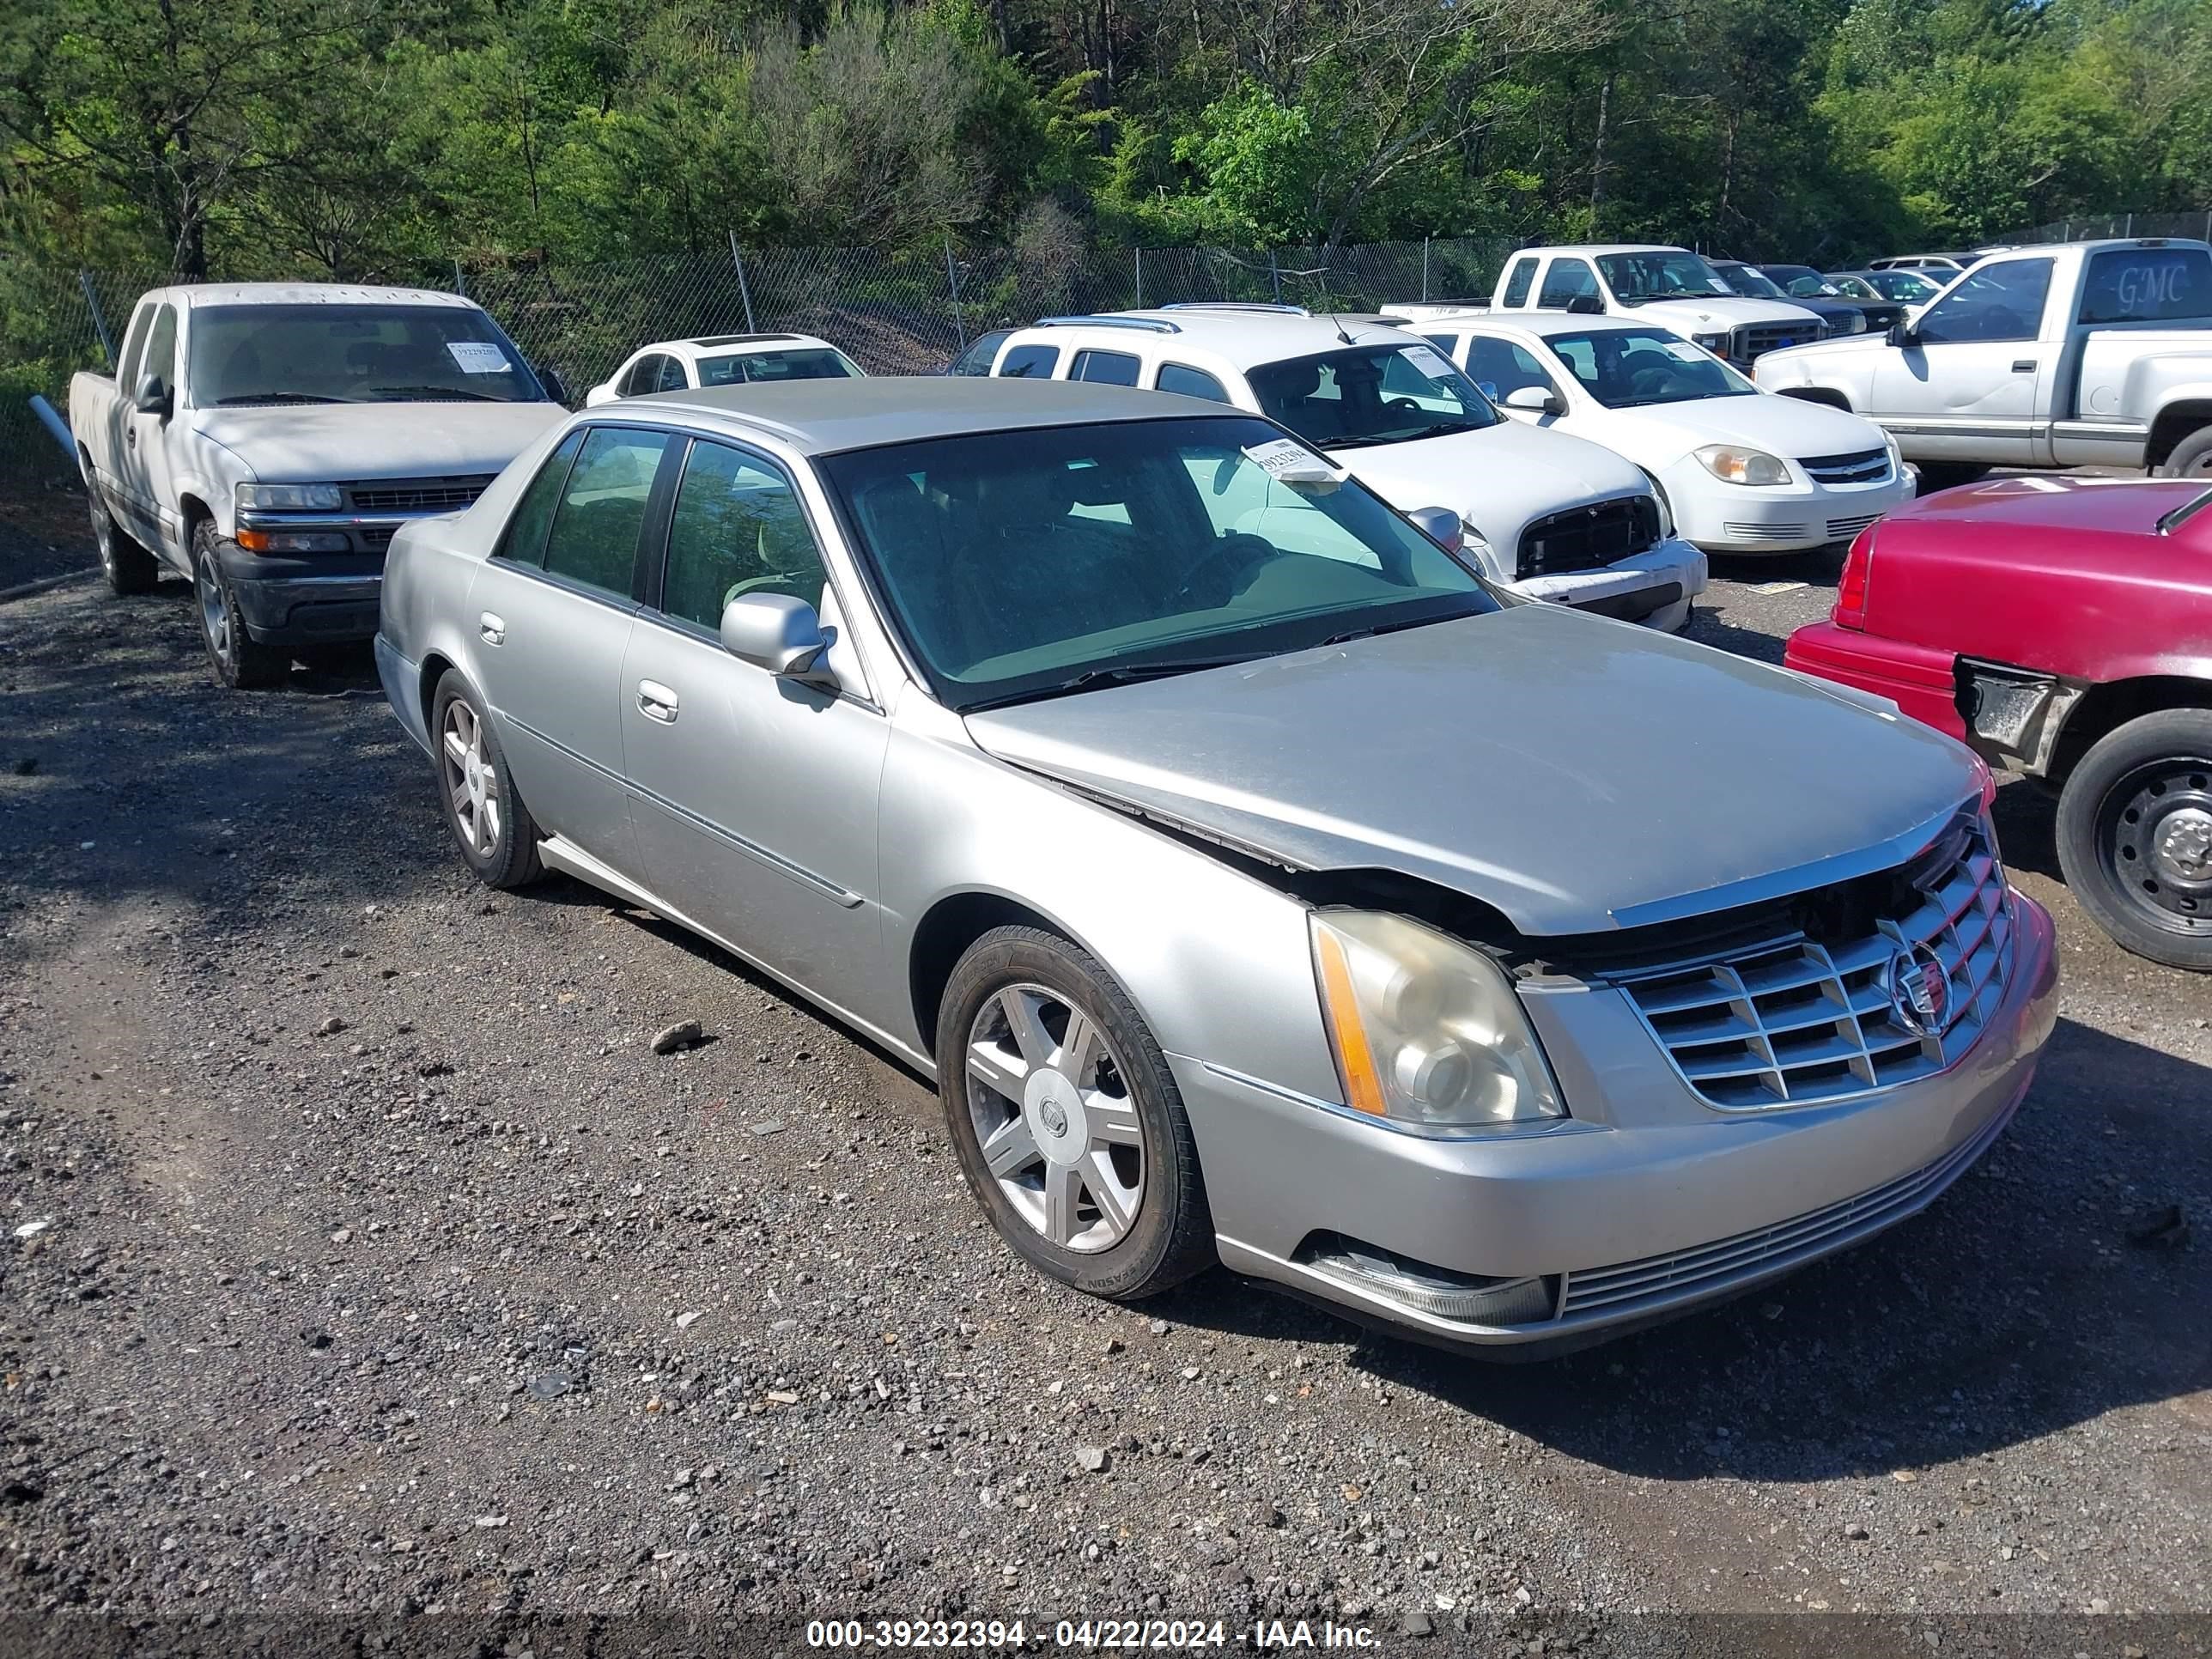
(1655, 586)
(1644, 1205)
(1920, 680)
(1724, 518)
(320, 598)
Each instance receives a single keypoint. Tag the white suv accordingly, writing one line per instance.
(1547, 515)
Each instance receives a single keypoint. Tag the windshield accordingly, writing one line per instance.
(1376, 394)
(1908, 287)
(1625, 368)
(1636, 277)
(1802, 282)
(1070, 557)
(743, 368)
(334, 354)
(1750, 281)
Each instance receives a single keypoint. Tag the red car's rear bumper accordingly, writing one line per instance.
(1917, 679)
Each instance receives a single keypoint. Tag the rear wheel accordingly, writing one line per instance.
(240, 662)
(490, 823)
(2134, 835)
(1065, 1119)
(2190, 458)
(128, 568)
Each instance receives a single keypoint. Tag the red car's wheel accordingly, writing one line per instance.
(2134, 835)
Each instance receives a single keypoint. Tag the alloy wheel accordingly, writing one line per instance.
(1049, 1101)
(214, 608)
(472, 783)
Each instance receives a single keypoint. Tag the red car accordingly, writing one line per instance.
(2063, 627)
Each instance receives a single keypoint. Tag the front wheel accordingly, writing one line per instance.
(1066, 1122)
(239, 661)
(2134, 835)
(2190, 458)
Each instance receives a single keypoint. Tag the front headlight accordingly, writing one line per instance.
(1731, 464)
(289, 498)
(1428, 1034)
(1716, 343)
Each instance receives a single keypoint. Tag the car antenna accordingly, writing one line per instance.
(1334, 323)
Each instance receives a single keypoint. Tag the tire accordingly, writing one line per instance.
(2190, 458)
(239, 661)
(1948, 475)
(490, 823)
(2134, 835)
(1112, 1113)
(128, 568)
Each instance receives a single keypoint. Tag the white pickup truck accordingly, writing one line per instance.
(266, 440)
(2090, 353)
(1671, 287)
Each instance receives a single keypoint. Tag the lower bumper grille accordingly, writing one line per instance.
(1842, 529)
(1796, 1021)
(1765, 533)
(1658, 1279)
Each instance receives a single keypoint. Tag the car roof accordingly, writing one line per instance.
(705, 343)
(311, 294)
(1241, 336)
(1595, 249)
(824, 417)
(1544, 324)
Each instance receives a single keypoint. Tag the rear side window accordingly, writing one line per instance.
(1502, 369)
(671, 377)
(524, 541)
(2148, 285)
(1567, 280)
(1516, 286)
(644, 376)
(602, 506)
(1030, 362)
(1107, 368)
(977, 360)
(1191, 382)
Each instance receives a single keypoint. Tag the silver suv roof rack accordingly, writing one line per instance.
(1149, 324)
(1235, 305)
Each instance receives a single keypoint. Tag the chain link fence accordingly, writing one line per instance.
(2196, 224)
(907, 313)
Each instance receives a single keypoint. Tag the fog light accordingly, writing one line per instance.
(1467, 1297)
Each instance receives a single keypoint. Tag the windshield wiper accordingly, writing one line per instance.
(1441, 430)
(393, 394)
(275, 397)
(1398, 627)
(1119, 674)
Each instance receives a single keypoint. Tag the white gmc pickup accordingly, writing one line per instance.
(266, 440)
(2091, 354)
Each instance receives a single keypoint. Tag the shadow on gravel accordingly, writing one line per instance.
(2014, 1307)
(1820, 567)
(2027, 828)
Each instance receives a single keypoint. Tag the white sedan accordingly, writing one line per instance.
(722, 359)
(1743, 471)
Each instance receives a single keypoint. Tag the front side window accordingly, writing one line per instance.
(1501, 368)
(750, 368)
(162, 347)
(134, 346)
(1635, 278)
(1516, 285)
(2000, 302)
(1191, 382)
(593, 540)
(672, 376)
(644, 376)
(736, 528)
(1623, 368)
(524, 540)
(355, 354)
(1107, 368)
(1111, 551)
(2148, 285)
(1376, 394)
(977, 360)
(1565, 282)
(1030, 362)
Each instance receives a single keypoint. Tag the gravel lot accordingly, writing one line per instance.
(367, 1265)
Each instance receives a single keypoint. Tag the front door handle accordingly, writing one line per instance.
(493, 628)
(656, 702)
(2025, 366)
(131, 435)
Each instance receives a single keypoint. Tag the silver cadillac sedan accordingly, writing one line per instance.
(1258, 885)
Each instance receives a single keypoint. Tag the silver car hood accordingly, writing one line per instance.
(312, 442)
(1576, 774)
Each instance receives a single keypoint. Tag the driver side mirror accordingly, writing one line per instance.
(151, 396)
(1536, 400)
(1586, 305)
(1902, 333)
(780, 634)
(550, 378)
(1440, 525)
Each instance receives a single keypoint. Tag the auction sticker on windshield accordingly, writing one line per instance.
(474, 357)
(1427, 361)
(1289, 462)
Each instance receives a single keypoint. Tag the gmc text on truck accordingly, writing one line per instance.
(265, 440)
(2091, 354)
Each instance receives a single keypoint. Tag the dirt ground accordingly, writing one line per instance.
(364, 1272)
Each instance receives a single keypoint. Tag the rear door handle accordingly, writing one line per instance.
(131, 435)
(656, 702)
(493, 628)
(2025, 366)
